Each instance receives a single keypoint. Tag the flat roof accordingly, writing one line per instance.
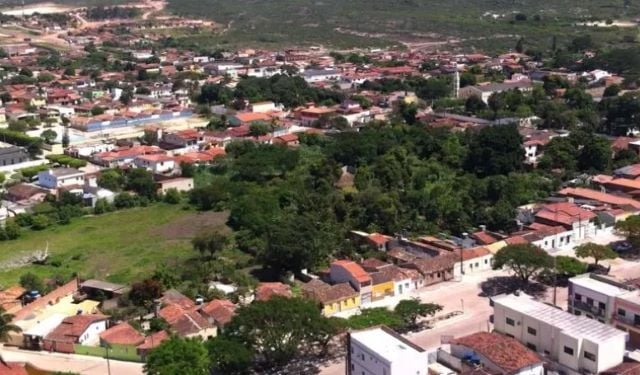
(602, 287)
(386, 343)
(576, 326)
(45, 326)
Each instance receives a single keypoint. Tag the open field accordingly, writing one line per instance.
(474, 23)
(118, 246)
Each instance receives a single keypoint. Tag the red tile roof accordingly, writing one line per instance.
(484, 238)
(122, 334)
(472, 253)
(220, 310)
(153, 340)
(73, 327)
(600, 197)
(564, 213)
(505, 352)
(12, 368)
(357, 272)
(264, 291)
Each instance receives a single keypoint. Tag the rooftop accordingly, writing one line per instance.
(505, 352)
(576, 326)
(600, 284)
(386, 343)
(122, 334)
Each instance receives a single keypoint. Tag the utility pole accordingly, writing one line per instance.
(555, 279)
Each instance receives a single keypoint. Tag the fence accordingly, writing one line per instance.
(116, 352)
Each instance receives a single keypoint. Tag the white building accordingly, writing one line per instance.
(473, 260)
(575, 343)
(156, 163)
(321, 75)
(381, 351)
(595, 296)
(60, 177)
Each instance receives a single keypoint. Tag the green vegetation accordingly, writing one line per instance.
(120, 246)
(595, 251)
(525, 260)
(483, 24)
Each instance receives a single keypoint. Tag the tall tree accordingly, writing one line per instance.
(209, 244)
(495, 150)
(524, 260)
(280, 328)
(595, 251)
(229, 357)
(412, 309)
(178, 356)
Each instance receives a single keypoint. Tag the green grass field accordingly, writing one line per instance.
(120, 246)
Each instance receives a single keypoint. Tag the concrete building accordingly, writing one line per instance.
(347, 271)
(575, 344)
(381, 351)
(61, 177)
(594, 296)
(10, 154)
(626, 316)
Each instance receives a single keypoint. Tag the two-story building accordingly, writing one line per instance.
(575, 344)
(594, 296)
(61, 178)
(347, 271)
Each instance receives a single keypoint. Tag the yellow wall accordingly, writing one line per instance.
(383, 289)
(346, 304)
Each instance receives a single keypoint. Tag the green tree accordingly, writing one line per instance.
(567, 266)
(524, 260)
(172, 196)
(141, 181)
(178, 356)
(6, 327)
(595, 251)
(412, 309)
(374, 317)
(474, 104)
(49, 136)
(278, 329)
(210, 244)
(229, 357)
(495, 150)
(111, 179)
(631, 228)
(143, 293)
(31, 281)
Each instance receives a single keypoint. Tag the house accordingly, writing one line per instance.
(265, 291)
(61, 178)
(156, 163)
(332, 298)
(381, 351)
(77, 329)
(286, 139)
(310, 115)
(575, 343)
(347, 271)
(434, 265)
(600, 197)
(183, 316)
(594, 296)
(188, 140)
(578, 222)
(491, 353)
(122, 337)
(624, 185)
(628, 367)
(181, 184)
(473, 260)
(25, 193)
(263, 107)
(485, 91)
(626, 315)
(631, 172)
(382, 285)
(219, 312)
(10, 154)
(249, 118)
(11, 298)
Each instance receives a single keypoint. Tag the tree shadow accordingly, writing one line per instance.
(509, 284)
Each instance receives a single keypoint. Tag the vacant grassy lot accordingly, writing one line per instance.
(119, 246)
(337, 23)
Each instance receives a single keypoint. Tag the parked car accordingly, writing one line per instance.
(621, 246)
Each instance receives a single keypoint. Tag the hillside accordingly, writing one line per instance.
(470, 23)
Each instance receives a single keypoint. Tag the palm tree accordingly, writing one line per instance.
(5, 325)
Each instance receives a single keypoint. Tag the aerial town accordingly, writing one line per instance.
(169, 207)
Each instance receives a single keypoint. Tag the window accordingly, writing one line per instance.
(568, 350)
(590, 356)
(602, 306)
(486, 261)
(531, 331)
(577, 297)
(589, 301)
(636, 319)
(621, 312)
(511, 322)
(532, 347)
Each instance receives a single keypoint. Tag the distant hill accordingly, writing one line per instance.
(345, 23)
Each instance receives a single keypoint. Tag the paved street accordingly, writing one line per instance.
(84, 365)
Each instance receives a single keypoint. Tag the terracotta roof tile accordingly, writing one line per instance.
(354, 269)
(123, 334)
(72, 327)
(325, 293)
(504, 352)
(264, 291)
(153, 340)
(220, 310)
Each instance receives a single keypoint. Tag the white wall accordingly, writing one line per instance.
(365, 361)
(92, 333)
(472, 266)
